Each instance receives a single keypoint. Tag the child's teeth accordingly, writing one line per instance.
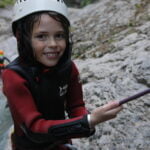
(52, 54)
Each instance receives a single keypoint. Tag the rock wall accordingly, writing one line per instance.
(7, 41)
(113, 55)
(112, 51)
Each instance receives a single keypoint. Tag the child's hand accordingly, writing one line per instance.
(104, 113)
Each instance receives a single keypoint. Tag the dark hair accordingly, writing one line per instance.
(22, 29)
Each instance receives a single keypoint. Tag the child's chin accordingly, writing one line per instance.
(50, 64)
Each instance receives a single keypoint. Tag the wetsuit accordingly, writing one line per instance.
(38, 110)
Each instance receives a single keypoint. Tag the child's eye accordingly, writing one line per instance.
(60, 36)
(42, 37)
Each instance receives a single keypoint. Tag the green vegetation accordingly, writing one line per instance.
(4, 3)
(79, 3)
(86, 2)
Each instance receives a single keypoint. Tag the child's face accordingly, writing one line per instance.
(48, 40)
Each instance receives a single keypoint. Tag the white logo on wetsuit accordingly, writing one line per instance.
(63, 90)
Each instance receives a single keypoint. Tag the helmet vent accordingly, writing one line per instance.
(61, 1)
(20, 1)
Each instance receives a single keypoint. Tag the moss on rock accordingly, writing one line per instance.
(4, 3)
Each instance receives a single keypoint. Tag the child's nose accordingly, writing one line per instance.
(52, 42)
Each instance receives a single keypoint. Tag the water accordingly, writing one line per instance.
(5, 120)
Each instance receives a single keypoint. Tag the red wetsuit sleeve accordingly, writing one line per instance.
(24, 110)
(75, 103)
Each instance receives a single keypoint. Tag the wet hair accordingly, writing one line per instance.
(23, 28)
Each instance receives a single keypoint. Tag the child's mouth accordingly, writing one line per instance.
(52, 55)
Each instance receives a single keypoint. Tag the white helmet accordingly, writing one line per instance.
(23, 8)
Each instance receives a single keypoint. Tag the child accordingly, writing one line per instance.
(42, 85)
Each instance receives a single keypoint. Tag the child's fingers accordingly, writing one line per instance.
(107, 112)
(111, 105)
(114, 112)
